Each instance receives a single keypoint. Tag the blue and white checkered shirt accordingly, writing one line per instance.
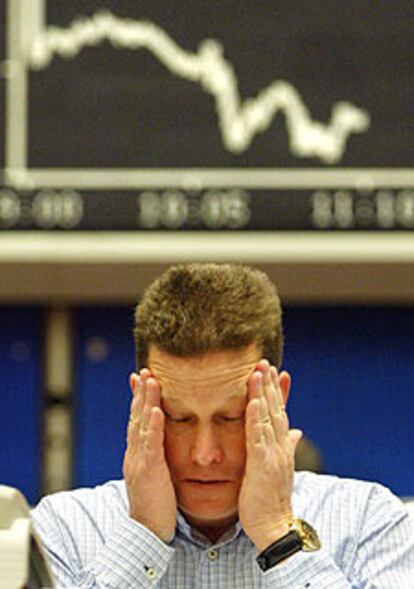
(366, 534)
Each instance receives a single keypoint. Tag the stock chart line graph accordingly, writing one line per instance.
(239, 120)
(273, 123)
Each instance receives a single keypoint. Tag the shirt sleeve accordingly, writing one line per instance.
(383, 556)
(131, 556)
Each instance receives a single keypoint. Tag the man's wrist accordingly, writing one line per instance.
(163, 533)
(301, 536)
(268, 537)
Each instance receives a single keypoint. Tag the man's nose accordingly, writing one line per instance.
(206, 448)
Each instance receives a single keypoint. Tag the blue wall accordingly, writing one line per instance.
(353, 389)
(20, 399)
(105, 358)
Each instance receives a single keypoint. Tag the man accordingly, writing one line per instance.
(209, 497)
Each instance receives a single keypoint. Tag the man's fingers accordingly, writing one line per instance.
(271, 387)
(154, 436)
(260, 388)
(255, 385)
(137, 385)
(141, 388)
(135, 408)
(133, 427)
(145, 373)
(278, 410)
(295, 435)
(270, 391)
(147, 394)
(133, 380)
(152, 399)
(259, 430)
(254, 427)
(273, 412)
(275, 379)
(152, 393)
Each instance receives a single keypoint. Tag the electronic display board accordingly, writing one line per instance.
(152, 115)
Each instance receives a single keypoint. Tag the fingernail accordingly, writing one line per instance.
(150, 381)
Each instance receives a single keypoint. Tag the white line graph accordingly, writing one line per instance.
(239, 121)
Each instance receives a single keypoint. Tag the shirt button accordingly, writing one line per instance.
(212, 554)
(151, 573)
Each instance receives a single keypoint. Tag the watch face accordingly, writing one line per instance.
(310, 540)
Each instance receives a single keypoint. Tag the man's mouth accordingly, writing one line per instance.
(207, 481)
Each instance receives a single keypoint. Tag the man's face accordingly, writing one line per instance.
(204, 400)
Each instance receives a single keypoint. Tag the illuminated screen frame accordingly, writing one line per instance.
(26, 19)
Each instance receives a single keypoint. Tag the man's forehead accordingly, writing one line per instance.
(183, 398)
(227, 370)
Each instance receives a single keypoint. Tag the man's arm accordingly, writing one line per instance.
(384, 550)
(71, 528)
(382, 555)
(265, 501)
(151, 494)
(135, 551)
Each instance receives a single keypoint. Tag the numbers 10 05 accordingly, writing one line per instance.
(175, 209)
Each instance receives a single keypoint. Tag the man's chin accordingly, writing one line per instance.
(208, 505)
(201, 518)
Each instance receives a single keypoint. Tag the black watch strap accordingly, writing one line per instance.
(279, 550)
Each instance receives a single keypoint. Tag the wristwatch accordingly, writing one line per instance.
(301, 536)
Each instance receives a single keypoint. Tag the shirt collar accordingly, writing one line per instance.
(196, 537)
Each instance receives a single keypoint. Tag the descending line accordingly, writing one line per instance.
(239, 121)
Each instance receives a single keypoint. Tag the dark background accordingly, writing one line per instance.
(110, 107)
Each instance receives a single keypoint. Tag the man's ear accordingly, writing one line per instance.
(133, 382)
(285, 382)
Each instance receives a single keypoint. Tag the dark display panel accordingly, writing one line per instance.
(238, 115)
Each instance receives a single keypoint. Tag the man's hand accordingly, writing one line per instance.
(151, 494)
(265, 495)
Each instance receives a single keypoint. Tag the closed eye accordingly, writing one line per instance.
(189, 418)
(177, 419)
(231, 419)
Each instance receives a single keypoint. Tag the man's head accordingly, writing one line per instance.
(196, 308)
(201, 329)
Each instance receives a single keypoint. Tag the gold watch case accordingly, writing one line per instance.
(309, 537)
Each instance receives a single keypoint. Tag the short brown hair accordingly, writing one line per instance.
(195, 308)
